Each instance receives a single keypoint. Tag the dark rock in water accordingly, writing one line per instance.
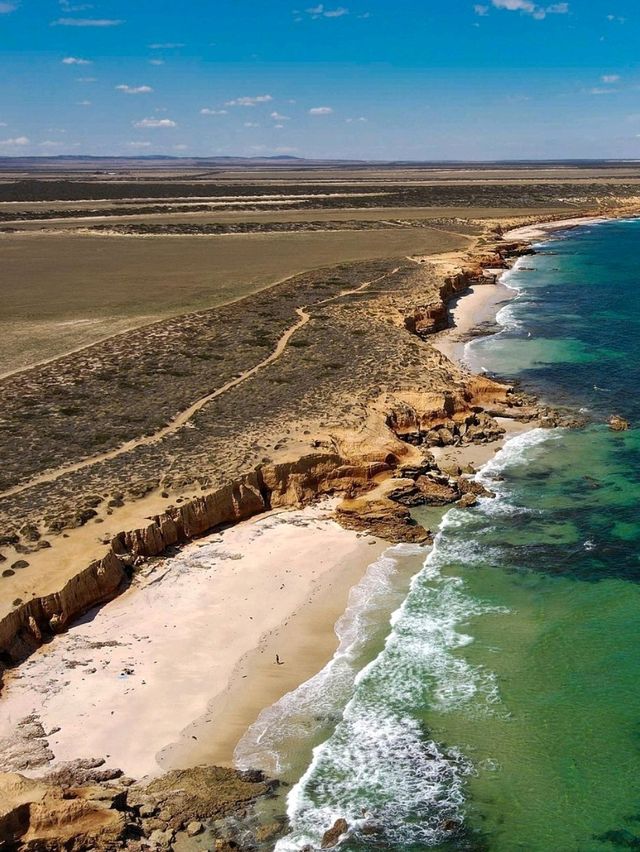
(591, 482)
(333, 835)
(470, 486)
(467, 501)
(622, 838)
(618, 424)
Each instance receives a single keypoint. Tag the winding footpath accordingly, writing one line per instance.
(182, 419)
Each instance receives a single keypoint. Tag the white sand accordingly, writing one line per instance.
(479, 305)
(531, 233)
(178, 637)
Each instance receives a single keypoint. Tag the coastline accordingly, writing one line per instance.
(119, 696)
(533, 233)
(215, 618)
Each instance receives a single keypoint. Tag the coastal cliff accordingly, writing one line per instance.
(394, 431)
(353, 469)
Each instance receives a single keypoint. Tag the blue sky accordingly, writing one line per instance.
(412, 79)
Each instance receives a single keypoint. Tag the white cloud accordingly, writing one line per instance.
(360, 118)
(527, 7)
(207, 111)
(48, 143)
(320, 111)
(18, 141)
(278, 126)
(155, 122)
(610, 78)
(320, 11)
(134, 90)
(67, 6)
(250, 101)
(251, 124)
(86, 22)
(139, 144)
(87, 79)
(84, 103)
(481, 10)
(181, 147)
(156, 62)
(3, 124)
(74, 60)
(7, 8)
(277, 117)
(600, 91)
(169, 45)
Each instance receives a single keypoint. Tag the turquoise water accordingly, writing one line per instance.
(498, 707)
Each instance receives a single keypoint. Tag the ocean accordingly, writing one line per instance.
(487, 697)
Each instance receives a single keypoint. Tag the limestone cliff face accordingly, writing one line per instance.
(280, 485)
(355, 463)
(428, 319)
(21, 631)
(441, 419)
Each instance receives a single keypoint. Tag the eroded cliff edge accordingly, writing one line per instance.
(354, 399)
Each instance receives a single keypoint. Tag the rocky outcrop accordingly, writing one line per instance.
(444, 420)
(81, 807)
(382, 518)
(270, 486)
(618, 424)
(36, 815)
(428, 490)
(427, 319)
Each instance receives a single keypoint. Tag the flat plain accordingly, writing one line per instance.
(85, 256)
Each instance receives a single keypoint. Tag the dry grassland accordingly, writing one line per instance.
(61, 292)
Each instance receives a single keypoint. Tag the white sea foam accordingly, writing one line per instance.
(506, 317)
(515, 451)
(318, 703)
(378, 769)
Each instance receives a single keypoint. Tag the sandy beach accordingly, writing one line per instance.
(531, 233)
(173, 672)
(472, 314)
(128, 679)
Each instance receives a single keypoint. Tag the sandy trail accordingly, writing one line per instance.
(181, 420)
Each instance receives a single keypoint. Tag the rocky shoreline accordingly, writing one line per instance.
(436, 420)
(380, 471)
(81, 805)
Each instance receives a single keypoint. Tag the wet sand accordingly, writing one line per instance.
(472, 315)
(129, 680)
(174, 671)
